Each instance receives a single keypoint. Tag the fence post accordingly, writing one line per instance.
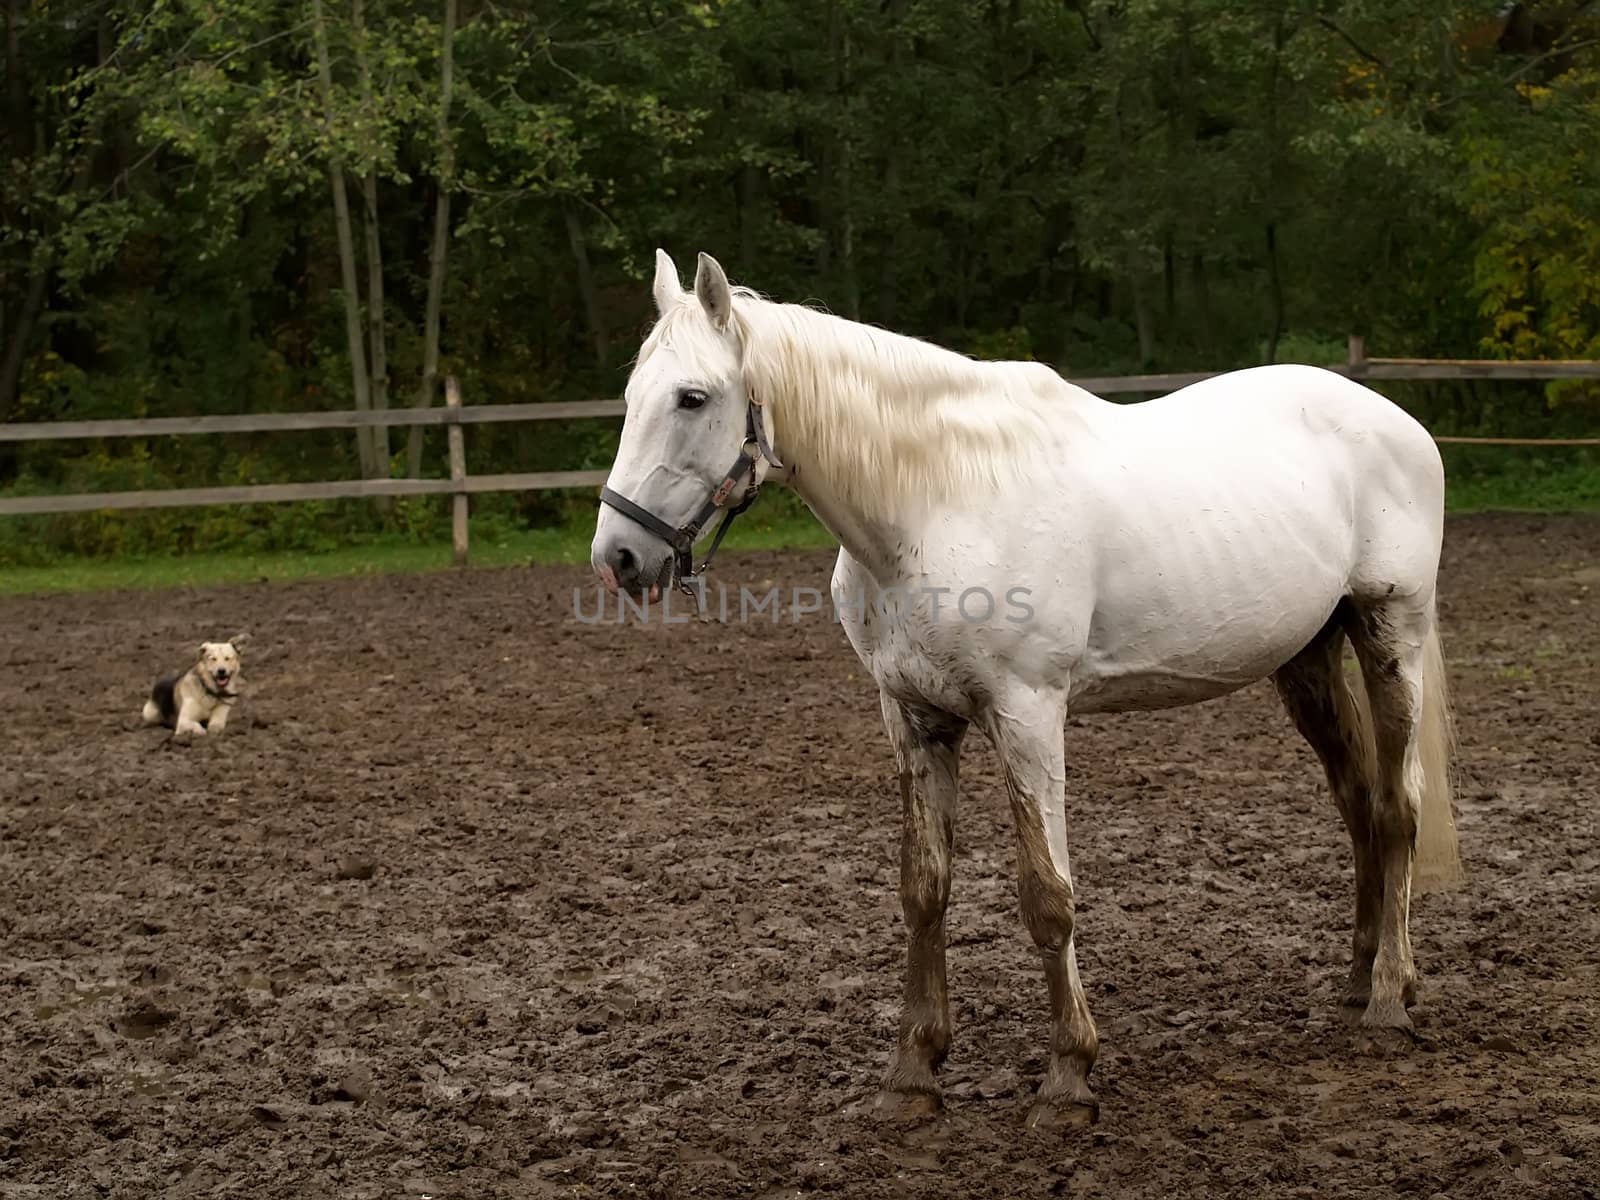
(1357, 364)
(458, 474)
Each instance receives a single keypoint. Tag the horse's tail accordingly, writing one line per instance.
(1437, 865)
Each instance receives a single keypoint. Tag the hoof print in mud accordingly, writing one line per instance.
(357, 870)
(268, 1118)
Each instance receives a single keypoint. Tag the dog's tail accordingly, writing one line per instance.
(162, 707)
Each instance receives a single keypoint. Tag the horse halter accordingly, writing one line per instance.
(682, 538)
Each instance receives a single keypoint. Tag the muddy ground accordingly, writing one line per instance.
(474, 900)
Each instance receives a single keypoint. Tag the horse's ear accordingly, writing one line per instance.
(667, 288)
(711, 286)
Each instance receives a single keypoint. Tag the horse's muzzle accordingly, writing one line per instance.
(631, 564)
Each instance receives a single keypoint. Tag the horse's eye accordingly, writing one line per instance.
(691, 398)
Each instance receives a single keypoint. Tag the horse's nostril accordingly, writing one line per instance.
(627, 565)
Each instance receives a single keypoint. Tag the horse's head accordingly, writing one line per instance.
(689, 416)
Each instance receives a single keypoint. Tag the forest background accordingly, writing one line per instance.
(227, 206)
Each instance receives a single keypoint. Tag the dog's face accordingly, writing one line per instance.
(219, 662)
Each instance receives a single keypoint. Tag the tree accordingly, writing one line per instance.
(439, 248)
(1532, 186)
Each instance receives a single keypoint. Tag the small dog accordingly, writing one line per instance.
(198, 700)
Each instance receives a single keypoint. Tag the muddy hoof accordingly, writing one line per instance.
(1384, 1043)
(1385, 1030)
(1387, 1015)
(1062, 1116)
(907, 1107)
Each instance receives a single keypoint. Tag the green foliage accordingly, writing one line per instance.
(1522, 479)
(1115, 185)
(1533, 186)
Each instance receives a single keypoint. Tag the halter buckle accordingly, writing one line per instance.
(693, 585)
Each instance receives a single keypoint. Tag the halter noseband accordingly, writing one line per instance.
(682, 538)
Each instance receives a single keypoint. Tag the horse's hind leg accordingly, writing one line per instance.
(1390, 639)
(927, 744)
(1327, 714)
(1027, 733)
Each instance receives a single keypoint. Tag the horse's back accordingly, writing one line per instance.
(1230, 518)
(1322, 449)
(1260, 406)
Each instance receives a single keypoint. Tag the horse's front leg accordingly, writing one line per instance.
(1027, 733)
(927, 743)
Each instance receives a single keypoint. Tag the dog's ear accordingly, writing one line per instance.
(204, 646)
(238, 639)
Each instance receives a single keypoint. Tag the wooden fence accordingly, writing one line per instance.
(455, 417)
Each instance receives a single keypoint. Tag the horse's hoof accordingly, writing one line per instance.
(1387, 1014)
(907, 1108)
(1385, 1030)
(1062, 1116)
(1384, 1043)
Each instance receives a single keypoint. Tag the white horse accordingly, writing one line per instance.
(1110, 558)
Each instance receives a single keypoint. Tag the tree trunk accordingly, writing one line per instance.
(1133, 261)
(838, 243)
(749, 189)
(1202, 300)
(1188, 134)
(430, 323)
(847, 223)
(1141, 320)
(359, 380)
(827, 152)
(441, 241)
(16, 328)
(1274, 173)
(19, 121)
(591, 302)
(19, 333)
(889, 282)
(375, 318)
(1275, 288)
(959, 277)
(376, 315)
(1169, 282)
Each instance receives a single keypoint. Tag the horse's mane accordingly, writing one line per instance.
(887, 421)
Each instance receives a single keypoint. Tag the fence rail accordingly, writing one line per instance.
(42, 431)
(333, 489)
(453, 417)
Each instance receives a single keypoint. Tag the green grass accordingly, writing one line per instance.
(374, 556)
(1498, 479)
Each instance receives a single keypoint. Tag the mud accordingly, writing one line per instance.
(474, 900)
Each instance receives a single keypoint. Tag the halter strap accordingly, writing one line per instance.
(683, 537)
